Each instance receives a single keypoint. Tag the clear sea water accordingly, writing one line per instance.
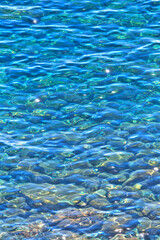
(80, 120)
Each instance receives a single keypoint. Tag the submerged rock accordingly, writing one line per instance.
(99, 203)
(118, 156)
(139, 175)
(115, 224)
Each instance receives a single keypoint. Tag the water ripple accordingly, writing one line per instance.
(79, 120)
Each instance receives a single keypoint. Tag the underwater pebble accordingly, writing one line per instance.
(99, 203)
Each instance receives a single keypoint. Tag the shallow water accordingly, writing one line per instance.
(79, 120)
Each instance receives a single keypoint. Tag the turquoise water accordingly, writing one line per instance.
(80, 120)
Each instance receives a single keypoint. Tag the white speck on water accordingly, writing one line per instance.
(107, 71)
(119, 230)
(35, 21)
(156, 168)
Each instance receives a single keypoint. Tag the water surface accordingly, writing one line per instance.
(79, 120)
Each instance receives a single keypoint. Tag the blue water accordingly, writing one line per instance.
(80, 120)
